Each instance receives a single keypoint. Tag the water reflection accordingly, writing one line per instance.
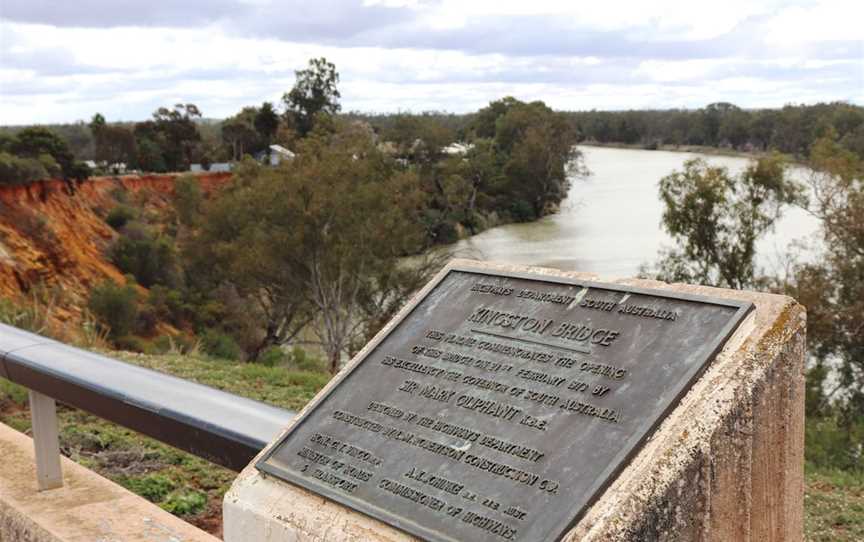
(610, 222)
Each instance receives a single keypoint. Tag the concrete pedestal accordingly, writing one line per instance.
(727, 464)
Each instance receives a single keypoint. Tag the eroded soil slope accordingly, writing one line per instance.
(54, 234)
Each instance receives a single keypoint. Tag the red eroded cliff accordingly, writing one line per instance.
(54, 233)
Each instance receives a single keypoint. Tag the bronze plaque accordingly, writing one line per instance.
(501, 405)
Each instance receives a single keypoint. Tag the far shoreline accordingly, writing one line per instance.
(693, 149)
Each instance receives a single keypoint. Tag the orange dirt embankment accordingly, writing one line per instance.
(55, 235)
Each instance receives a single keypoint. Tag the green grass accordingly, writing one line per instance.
(181, 483)
(193, 488)
(833, 505)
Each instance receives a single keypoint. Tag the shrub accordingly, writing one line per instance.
(131, 343)
(120, 216)
(153, 487)
(13, 393)
(272, 357)
(120, 194)
(52, 168)
(149, 259)
(221, 345)
(834, 442)
(522, 211)
(115, 307)
(147, 320)
(34, 314)
(302, 360)
(168, 304)
(174, 344)
(446, 233)
(187, 198)
(185, 503)
(18, 170)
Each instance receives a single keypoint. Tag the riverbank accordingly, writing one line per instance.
(610, 222)
(693, 149)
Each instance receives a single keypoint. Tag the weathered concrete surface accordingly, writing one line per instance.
(88, 508)
(726, 465)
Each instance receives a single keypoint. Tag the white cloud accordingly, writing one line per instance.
(830, 20)
(448, 55)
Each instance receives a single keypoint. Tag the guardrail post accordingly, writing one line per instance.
(43, 415)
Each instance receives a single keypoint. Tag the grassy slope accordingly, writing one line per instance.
(179, 482)
(193, 488)
(834, 506)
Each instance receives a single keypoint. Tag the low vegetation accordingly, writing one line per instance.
(833, 506)
(37, 153)
(180, 483)
(192, 488)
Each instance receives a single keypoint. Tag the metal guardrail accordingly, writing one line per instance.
(212, 424)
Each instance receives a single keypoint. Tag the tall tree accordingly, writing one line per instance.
(36, 141)
(113, 144)
(239, 135)
(340, 215)
(715, 220)
(832, 286)
(177, 125)
(314, 93)
(266, 122)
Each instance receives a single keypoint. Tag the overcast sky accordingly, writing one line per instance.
(65, 60)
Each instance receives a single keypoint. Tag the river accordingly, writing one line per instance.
(609, 223)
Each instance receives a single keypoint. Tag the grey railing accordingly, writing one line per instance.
(212, 424)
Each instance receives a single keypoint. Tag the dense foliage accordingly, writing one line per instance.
(37, 153)
(354, 201)
(715, 220)
(791, 130)
(341, 215)
(314, 93)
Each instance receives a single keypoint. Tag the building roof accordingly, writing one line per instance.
(282, 150)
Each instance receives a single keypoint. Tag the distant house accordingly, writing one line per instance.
(457, 148)
(103, 167)
(278, 153)
(215, 167)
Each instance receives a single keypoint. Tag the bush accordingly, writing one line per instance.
(221, 345)
(522, 211)
(120, 216)
(174, 344)
(131, 343)
(187, 198)
(149, 259)
(272, 357)
(446, 233)
(185, 503)
(115, 307)
(18, 170)
(303, 361)
(147, 320)
(153, 487)
(168, 304)
(13, 393)
(831, 443)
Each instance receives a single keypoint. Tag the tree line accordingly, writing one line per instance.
(791, 130)
(36, 153)
(176, 136)
(312, 251)
(715, 219)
